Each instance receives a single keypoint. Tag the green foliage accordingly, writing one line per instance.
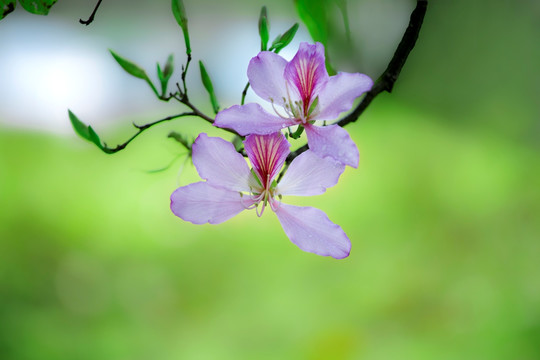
(7, 7)
(39, 7)
(133, 69)
(263, 29)
(205, 78)
(182, 139)
(281, 41)
(179, 12)
(315, 15)
(165, 74)
(84, 131)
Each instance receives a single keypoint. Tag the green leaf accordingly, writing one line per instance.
(209, 87)
(6, 7)
(130, 67)
(182, 139)
(86, 132)
(315, 15)
(179, 12)
(40, 7)
(169, 67)
(133, 69)
(263, 28)
(282, 41)
(165, 74)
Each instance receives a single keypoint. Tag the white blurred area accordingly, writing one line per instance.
(49, 64)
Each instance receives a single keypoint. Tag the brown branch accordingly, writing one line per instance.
(388, 78)
(91, 18)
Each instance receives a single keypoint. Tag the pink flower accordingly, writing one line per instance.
(300, 92)
(231, 187)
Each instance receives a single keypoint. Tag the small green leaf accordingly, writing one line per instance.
(7, 7)
(130, 67)
(133, 69)
(282, 41)
(94, 137)
(181, 139)
(165, 74)
(209, 87)
(263, 28)
(86, 132)
(179, 12)
(40, 7)
(169, 67)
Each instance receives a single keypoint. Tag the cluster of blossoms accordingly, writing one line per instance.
(302, 94)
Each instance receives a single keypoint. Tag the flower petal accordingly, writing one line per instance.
(339, 94)
(251, 119)
(201, 203)
(218, 162)
(306, 73)
(267, 154)
(265, 74)
(309, 174)
(311, 230)
(333, 141)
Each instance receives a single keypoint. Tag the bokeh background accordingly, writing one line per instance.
(443, 212)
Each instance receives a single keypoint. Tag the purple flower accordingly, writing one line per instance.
(231, 186)
(300, 92)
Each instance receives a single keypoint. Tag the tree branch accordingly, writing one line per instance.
(388, 78)
(141, 129)
(91, 18)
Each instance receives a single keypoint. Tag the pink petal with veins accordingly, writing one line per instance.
(265, 74)
(309, 174)
(201, 203)
(339, 93)
(267, 154)
(251, 119)
(218, 162)
(306, 73)
(311, 230)
(333, 141)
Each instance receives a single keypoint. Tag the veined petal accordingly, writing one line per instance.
(201, 203)
(266, 76)
(339, 94)
(218, 162)
(333, 141)
(267, 154)
(251, 119)
(309, 174)
(306, 73)
(311, 230)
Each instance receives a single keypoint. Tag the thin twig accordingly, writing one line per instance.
(91, 18)
(184, 72)
(141, 129)
(388, 78)
(244, 93)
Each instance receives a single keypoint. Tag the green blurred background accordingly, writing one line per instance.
(443, 212)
